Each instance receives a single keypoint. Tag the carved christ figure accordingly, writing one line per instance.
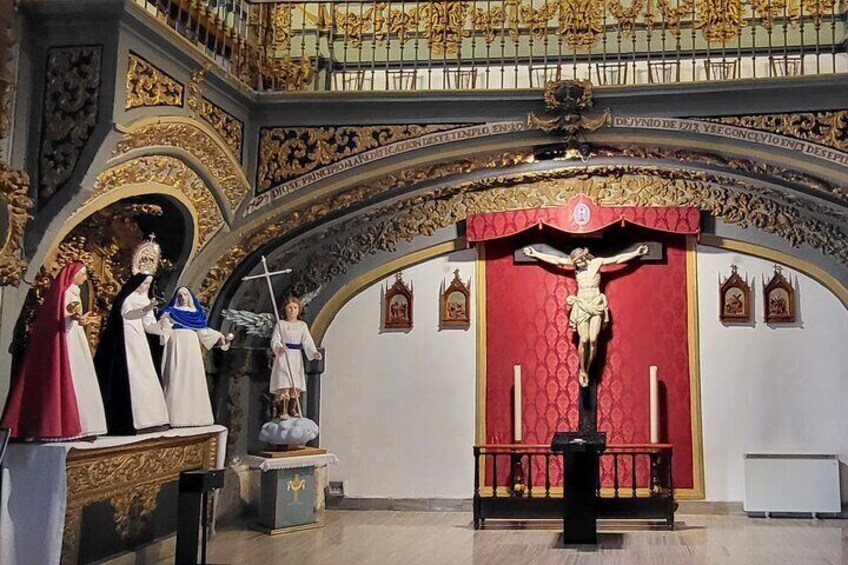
(589, 307)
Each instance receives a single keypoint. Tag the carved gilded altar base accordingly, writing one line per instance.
(117, 493)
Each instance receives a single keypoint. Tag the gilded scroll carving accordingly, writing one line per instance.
(219, 273)
(286, 153)
(382, 230)
(170, 172)
(743, 166)
(825, 128)
(230, 128)
(195, 141)
(291, 74)
(14, 187)
(281, 26)
(130, 480)
(567, 103)
(150, 86)
(720, 20)
(579, 23)
(69, 113)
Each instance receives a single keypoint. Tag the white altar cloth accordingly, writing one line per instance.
(268, 463)
(34, 496)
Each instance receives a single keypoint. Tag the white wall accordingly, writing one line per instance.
(769, 388)
(398, 408)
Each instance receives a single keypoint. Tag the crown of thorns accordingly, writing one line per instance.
(579, 253)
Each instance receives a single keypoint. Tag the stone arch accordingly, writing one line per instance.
(341, 243)
(195, 138)
(740, 197)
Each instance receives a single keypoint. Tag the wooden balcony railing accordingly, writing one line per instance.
(390, 45)
(523, 482)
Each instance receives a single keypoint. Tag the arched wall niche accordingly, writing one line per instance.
(104, 241)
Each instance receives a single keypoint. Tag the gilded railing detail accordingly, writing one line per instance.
(435, 44)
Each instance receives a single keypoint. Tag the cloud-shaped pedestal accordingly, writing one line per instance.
(294, 431)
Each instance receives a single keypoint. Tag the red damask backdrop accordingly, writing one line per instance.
(527, 324)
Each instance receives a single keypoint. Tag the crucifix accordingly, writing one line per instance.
(267, 276)
(589, 313)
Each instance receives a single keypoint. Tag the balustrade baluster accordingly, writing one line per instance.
(495, 474)
(615, 474)
(633, 473)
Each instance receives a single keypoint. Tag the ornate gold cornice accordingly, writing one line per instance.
(170, 172)
(358, 195)
(14, 187)
(190, 137)
(825, 128)
(150, 86)
(286, 153)
(230, 128)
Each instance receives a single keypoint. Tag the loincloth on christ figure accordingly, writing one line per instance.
(585, 308)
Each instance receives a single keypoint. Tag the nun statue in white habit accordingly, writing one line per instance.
(183, 371)
(129, 381)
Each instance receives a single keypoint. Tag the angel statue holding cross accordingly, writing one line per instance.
(589, 307)
(290, 341)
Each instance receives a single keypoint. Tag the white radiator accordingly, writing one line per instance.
(792, 483)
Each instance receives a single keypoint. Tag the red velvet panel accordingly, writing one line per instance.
(591, 218)
(527, 324)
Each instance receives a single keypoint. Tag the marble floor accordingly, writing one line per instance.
(447, 538)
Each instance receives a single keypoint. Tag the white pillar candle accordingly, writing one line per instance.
(655, 407)
(516, 369)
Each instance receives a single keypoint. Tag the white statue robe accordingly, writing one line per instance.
(184, 376)
(297, 335)
(86, 389)
(148, 400)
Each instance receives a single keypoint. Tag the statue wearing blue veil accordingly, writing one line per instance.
(183, 372)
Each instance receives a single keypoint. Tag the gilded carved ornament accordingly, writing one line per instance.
(720, 20)
(286, 153)
(579, 23)
(230, 128)
(14, 189)
(281, 26)
(7, 64)
(192, 139)
(131, 482)
(349, 242)
(290, 74)
(828, 128)
(737, 165)
(567, 103)
(777, 213)
(69, 113)
(149, 86)
(170, 172)
(225, 265)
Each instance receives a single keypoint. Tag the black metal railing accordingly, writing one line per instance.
(523, 482)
